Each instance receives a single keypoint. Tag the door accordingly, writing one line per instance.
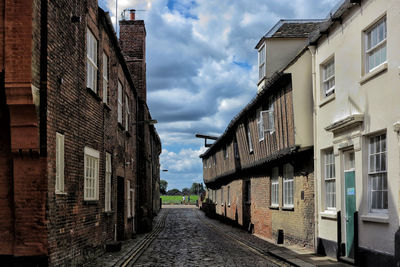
(120, 208)
(350, 201)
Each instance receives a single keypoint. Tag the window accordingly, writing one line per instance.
(236, 149)
(105, 78)
(209, 162)
(127, 112)
(119, 102)
(268, 118)
(91, 186)
(375, 45)
(288, 185)
(91, 61)
(247, 188)
(250, 143)
(222, 195)
(59, 163)
(260, 125)
(107, 195)
(328, 77)
(229, 195)
(129, 196)
(330, 182)
(377, 174)
(205, 163)
(225, 152)
(214, 158)
(261, 62)
(275, 187)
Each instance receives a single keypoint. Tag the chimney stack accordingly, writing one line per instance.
(132, 40)
(132, 14)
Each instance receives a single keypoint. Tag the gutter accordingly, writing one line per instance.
(315, 139)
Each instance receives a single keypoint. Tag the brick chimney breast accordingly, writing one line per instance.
(133, 46)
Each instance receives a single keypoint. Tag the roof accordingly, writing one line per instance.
(335, 15)
(272, 82)
(293, 28)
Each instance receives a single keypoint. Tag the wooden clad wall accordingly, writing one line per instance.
(281, 138)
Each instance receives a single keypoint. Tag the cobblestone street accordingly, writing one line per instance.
(188, 241)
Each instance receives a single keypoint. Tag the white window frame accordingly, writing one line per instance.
(222, 195)
(275, 187)
(288, 186)
(329, 179)
(91, 60)
(268, 117)
(120, 89)
(225, 152)
(60, 165)
(129, 199)
(107, 186)
(236, 149)
(328, 77)
(261, 62)
(127, 112)
(260, 125)
(249, 141)
(105, 78)
(91, 174)
(378, 155)
(377, 47)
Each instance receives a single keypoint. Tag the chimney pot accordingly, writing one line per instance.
(132, 14)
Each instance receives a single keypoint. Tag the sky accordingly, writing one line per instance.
(202, 67)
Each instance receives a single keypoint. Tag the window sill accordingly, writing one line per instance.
(108, 213)
(61, 193)
(106, 106)
(94, 94)
(328, 215)
(222, 204)
(251, 152)
(120, 126)
(374, 73)
(375, 218)
(130, 217)
(229, 204)
(261, 80)
(288, 208)
(90, 202)
(274, 207)
(326, 100)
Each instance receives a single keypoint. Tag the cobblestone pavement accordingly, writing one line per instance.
(188, 241)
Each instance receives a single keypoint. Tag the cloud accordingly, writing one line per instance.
(202, 65)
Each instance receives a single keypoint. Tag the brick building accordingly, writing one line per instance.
(76, 145)
(259, 172)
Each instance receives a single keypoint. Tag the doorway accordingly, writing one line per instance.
(120, 208)
(350, 200)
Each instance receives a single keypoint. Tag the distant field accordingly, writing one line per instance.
(178, 199)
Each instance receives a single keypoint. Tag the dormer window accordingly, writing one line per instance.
(261, 62)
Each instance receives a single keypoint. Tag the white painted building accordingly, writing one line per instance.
(356, 66)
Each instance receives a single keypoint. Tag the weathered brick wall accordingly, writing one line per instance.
(22, 174)
(133, 45)
(78, 230)
(260, 212)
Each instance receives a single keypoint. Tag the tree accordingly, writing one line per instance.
(186, 191)
(197, 188)
(174, 192)
(163, 187)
